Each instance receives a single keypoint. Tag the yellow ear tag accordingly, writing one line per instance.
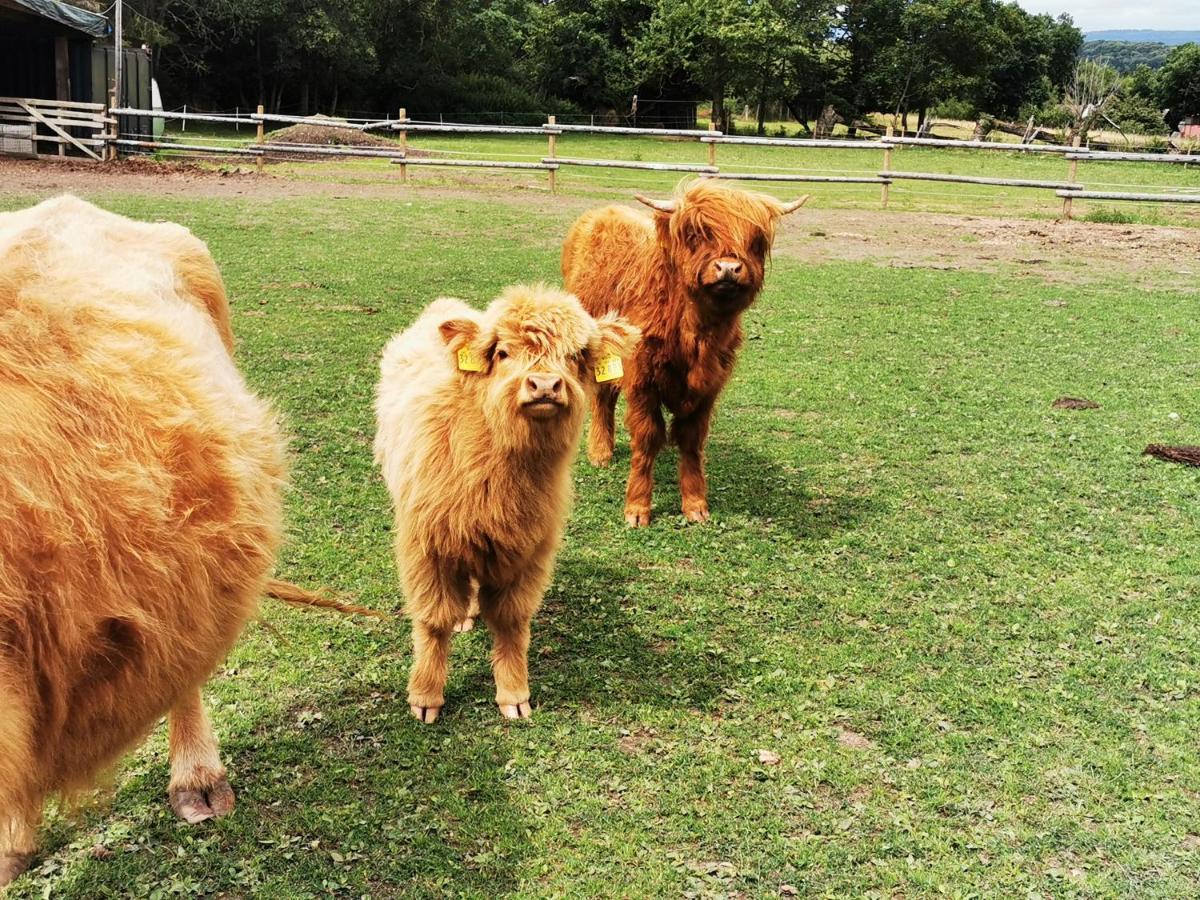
(609, 368)
(470, 361)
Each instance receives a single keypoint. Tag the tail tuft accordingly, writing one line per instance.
(298, 596)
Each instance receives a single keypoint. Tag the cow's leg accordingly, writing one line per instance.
(199, 788)
(602, 431)
(437, 602)
(20, 810)
(647, 434)
(508, 612)
(690, 434)
(18, 841)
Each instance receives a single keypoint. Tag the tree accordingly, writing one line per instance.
(1179, 83)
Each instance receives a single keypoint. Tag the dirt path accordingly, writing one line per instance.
(1160, 256)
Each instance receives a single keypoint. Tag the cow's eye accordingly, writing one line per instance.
(759, 247)
(501, 354)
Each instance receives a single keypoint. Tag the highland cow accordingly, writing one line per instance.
(479, 415)
(684, 276)
(140, 496)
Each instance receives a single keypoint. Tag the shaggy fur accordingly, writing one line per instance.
(478, 466)
(140, 496)
(685, 278)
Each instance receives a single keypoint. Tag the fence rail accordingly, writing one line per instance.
(1068, 189)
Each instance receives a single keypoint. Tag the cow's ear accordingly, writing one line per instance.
(458, 332)
(618, 336)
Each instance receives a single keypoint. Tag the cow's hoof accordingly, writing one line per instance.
(516, 710)
(12, 865)
(466, 624)
(600, 460)
(637, 518)
(201, 804)
(700, 514)
(426, 714)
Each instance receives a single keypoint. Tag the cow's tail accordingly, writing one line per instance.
(298, 596)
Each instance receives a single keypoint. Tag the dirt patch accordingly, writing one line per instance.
(1187, 455)
(1073, 252)
(1074, 403)
(1067, 253)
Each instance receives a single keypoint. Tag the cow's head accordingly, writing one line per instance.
(532, 358)
(717, 239)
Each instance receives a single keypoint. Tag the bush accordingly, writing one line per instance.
(963, 110)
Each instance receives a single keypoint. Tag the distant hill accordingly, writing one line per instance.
(1145, 35)
(1125, 56)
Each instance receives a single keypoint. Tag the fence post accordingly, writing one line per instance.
(887, 167)
(403, 146)
(1072, 171)
(712, 145)
(114, 128)
(259, 136)
(552, 121)
(183, 122)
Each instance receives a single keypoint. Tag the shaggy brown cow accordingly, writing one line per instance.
(479, 416)
(684, 277)
(140, 502)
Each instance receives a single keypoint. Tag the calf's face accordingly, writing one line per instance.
(717, 240)
(530, 362)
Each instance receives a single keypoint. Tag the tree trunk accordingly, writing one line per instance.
(333, 102)
(718, 107)
(762, 108)
(304, 97)
(800, 115)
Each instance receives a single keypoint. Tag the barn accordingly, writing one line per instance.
(46, 51)
(56, 69)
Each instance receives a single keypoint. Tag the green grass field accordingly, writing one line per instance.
(905, 195)
(966, 623)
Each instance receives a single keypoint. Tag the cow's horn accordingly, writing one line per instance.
(666, 206)
(785, 208)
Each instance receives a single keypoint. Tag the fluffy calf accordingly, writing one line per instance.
(479, 416)
(684, 275)
(140, 503)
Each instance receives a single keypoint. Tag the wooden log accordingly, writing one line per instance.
(712, 145)
(553, 139)
(885, 191)
(62, 104)
(1109, 156)
(1119, 195)
(794, 142)
(206, 148)
(473, 129)
(332, 150)
(628, 164)
(187, 116)
(476, 163)
(1072, 172)
(624, 129)
(981, 145)
(403, 119)
(783, 177)
(975, 179)
(259, 139)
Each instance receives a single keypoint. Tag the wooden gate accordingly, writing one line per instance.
(70, 127)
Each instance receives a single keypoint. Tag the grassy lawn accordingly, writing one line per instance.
(965, 623)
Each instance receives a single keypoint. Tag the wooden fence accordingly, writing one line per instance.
(1069, 188)
(80, 127)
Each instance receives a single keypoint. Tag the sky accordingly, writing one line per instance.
(1099, 15)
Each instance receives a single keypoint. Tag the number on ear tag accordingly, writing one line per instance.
(470, 361)
(609, 368)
